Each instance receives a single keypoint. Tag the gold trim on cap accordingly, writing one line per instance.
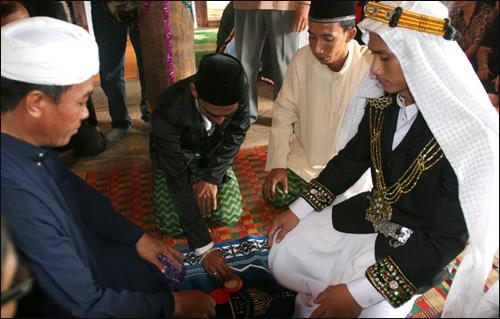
(397, 17)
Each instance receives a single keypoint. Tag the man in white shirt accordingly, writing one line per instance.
(432, 144)
(308, 113)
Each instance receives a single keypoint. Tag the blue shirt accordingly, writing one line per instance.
(69, 232)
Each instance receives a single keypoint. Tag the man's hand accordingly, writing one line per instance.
(483, 73)
(336, 302)
(301, 14)
(495, 82)
(494, 100)
(206, 197)
(148, 248)
(215, 266)
(283, 223)
(193, 304)
(275, 176)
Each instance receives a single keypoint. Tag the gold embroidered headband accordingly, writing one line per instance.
(396, 17)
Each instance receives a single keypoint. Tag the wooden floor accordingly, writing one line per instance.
(134, 147)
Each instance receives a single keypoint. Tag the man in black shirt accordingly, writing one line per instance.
(198, 126)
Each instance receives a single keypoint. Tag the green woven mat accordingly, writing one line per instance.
(205, 41)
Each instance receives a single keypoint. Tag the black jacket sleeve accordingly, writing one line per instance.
(342, 171)
(346, 168)
(166, 146)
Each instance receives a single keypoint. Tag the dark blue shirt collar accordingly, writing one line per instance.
(34, 153)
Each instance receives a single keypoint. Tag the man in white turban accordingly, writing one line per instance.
(432, 144)
(89, 259)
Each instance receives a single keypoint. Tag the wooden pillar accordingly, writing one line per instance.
(154, 50)
(201, 13)
(80, 14)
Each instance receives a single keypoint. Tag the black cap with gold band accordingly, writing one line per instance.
(396, 17)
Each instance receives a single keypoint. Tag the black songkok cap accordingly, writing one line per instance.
(331, 11)
(220, 79)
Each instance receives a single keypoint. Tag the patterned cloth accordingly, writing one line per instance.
(260, 297)
(295, 185)
(130, 190)
(229, 206)
(475, 30)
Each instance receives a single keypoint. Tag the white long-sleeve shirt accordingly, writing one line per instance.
(309, 110)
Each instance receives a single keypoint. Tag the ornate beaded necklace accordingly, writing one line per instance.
(382, 196)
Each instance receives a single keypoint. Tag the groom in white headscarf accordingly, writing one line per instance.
(432, 144)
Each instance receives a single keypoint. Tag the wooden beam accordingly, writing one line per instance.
(79, 14)
(154, 50)
(201, 13)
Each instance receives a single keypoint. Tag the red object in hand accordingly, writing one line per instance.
(220, 296)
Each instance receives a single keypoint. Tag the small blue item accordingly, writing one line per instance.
(173, 273)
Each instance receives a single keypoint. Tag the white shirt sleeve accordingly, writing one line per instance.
(285, 114)
(364, 293)
(301, 208)
(200, 251)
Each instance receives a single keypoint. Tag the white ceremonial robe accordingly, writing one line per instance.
(314, 256)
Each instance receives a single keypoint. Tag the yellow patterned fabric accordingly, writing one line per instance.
(396, 17)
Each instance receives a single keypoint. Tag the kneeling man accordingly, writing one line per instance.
(198, 126)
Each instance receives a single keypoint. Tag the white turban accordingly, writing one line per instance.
(48, 51)
(460, 116)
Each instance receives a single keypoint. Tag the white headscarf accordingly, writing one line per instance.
(460, 116)
(48, 51)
